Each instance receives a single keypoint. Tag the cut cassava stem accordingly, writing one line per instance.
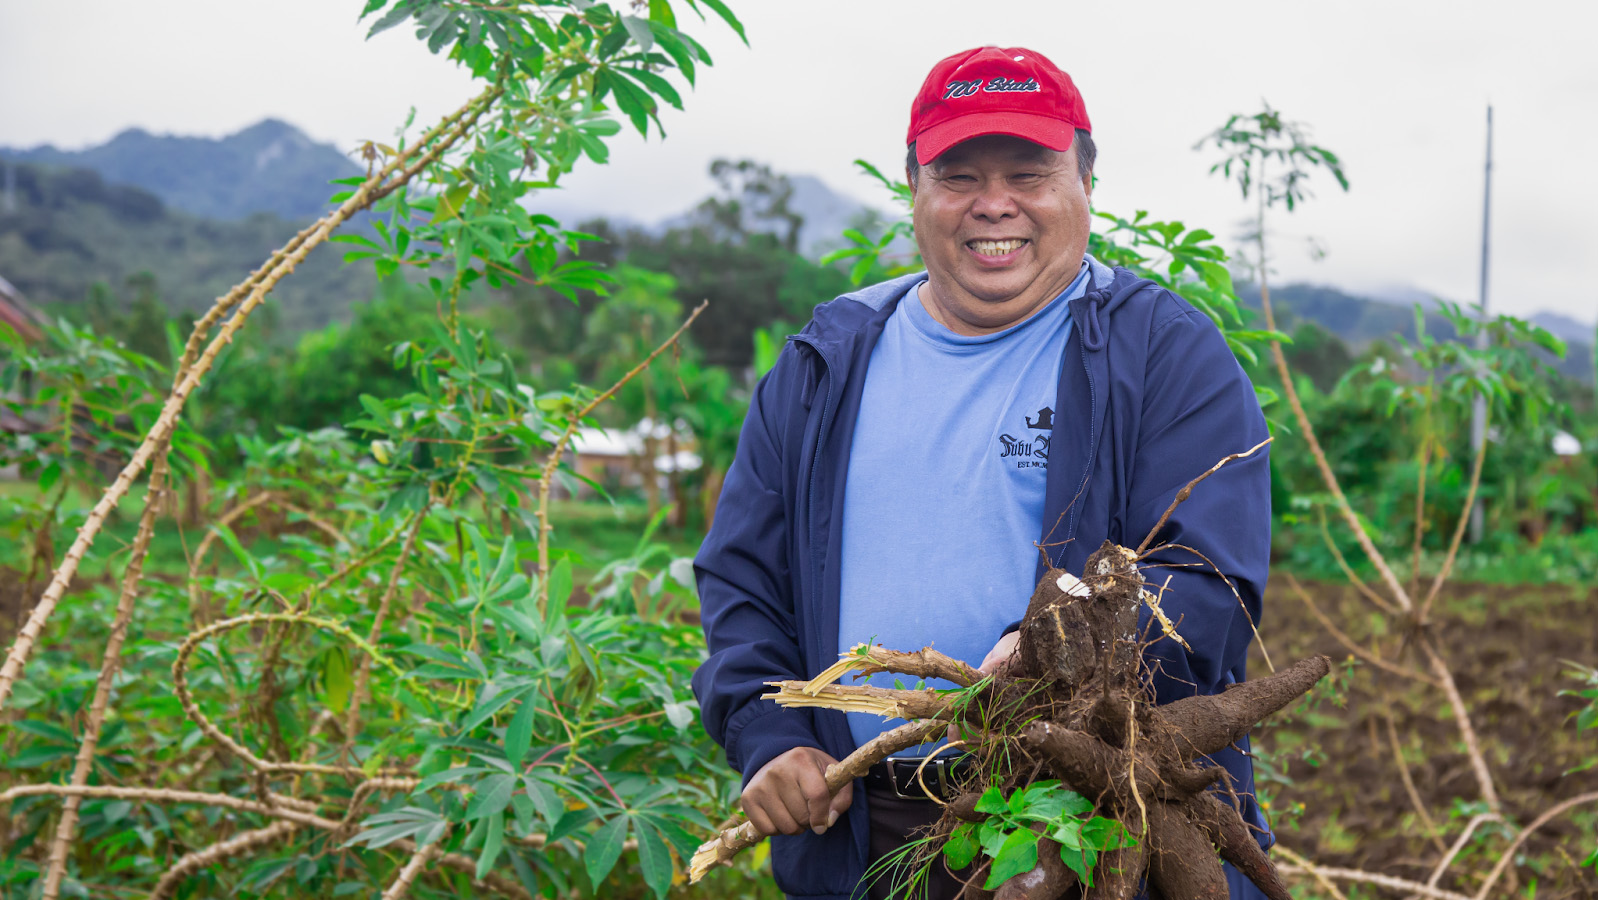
(719, 850)
(247, 296)
(864, 659)
(889, 703)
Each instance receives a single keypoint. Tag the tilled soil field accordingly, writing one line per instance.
(1339, 797)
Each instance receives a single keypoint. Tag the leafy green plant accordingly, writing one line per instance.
(387, 652)
(1016, 824)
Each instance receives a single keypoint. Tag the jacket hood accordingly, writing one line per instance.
(1107, 290)
(841, 319)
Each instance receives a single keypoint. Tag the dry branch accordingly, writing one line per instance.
(292, 812)
(1321, 465)
(1350, 644)
(1409, 783)
(1508, 857)
(1459, 531)
(407, 875)
(197, 860)
(1358, 876)
(1187, 491)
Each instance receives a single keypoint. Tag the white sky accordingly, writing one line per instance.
(1398, 88)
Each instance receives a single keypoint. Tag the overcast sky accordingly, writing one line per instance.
(1397, 88)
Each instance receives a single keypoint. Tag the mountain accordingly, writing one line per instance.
(62, 231)
(270, 167)
(1360, 320)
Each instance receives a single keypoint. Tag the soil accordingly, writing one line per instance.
(1346, 804)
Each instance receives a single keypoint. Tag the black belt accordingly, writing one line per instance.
(942, 774)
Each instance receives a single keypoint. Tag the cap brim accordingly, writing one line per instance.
(1051, 133)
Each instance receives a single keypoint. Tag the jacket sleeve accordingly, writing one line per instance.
(1199, 407)
(745, 592)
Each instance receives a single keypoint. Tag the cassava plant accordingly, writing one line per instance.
(1272, 159)
(337, 698)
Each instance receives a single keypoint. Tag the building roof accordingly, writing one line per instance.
(14, 311)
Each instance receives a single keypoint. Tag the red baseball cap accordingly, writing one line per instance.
(995, 90)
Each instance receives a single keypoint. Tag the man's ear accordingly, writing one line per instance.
(911, 180)
(1087, 186)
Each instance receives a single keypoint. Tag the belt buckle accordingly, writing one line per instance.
(912, 765)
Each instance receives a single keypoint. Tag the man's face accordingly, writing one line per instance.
(1002, 225)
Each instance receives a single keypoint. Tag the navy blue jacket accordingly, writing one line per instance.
(1149, 397)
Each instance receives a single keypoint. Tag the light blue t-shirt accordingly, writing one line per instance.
(944, 500)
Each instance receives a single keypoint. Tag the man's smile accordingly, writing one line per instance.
(997, 251)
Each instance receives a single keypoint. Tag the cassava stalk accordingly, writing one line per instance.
(295, 812)
(197, 560)
(363, 673)
(1459, 529)
(166, 421)
(197, 860)
(719, 850)
(547, 475)
(110, 665)
(192, 710)
(1308, 432)
(413, 867)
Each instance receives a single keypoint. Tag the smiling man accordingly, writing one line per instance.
(925, 447)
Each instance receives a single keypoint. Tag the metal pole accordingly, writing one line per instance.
(1478, 418)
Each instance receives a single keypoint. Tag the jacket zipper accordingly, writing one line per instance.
(1093, 415)
(815, 460)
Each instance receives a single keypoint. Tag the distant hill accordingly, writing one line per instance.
(1360, 320)
(270, 167)
(66, 229)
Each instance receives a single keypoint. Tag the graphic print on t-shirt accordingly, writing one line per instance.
(1030, 450)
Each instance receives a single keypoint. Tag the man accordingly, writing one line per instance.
(924, 442)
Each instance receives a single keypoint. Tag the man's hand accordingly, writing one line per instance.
(1000, 654)
(789, 794)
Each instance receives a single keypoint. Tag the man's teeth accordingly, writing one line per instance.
(996, 248)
